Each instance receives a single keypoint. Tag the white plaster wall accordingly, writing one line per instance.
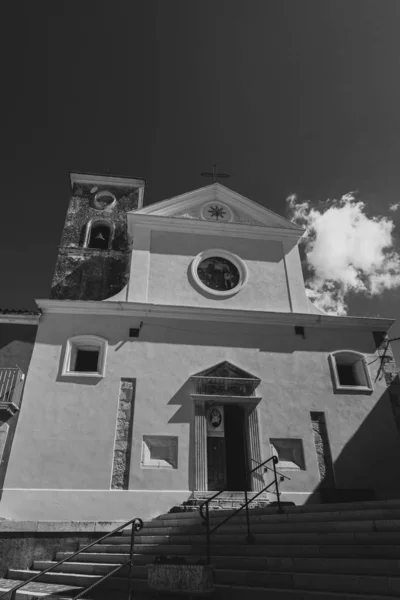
(65, 436)
(170, 281)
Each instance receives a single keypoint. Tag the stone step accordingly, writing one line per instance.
(335, 582)
(348, 537)
(343, 507)
(35, 590)
(227, 592)
(63, 580)
(255, 517)
(99, 557)
(73, 579)
(289, 550)
(285, 580)
(87, 568)
(234, 526)
(240, 518)
(354, 566)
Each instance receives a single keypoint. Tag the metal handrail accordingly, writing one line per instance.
(275, 460)
(250, 538)
(137, 525)
(281, 475)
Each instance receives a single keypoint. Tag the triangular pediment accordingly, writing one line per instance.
(225, 370)
(220, 204)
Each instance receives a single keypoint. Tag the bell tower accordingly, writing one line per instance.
(94, 254)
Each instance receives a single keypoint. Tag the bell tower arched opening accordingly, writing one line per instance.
(99, 235)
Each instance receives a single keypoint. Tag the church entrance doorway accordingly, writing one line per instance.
(227, 456)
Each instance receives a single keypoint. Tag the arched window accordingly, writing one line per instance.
(99, 234)
(350, 371)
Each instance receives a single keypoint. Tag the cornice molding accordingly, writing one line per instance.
(12, 319)
(162, 223)
(110, 181)
(118, 180)
(223, 315)
(223, 399)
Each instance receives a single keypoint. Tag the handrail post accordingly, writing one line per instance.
(136, 526)
(274, 461)
(131, 551)
(250, 538)
(208, 533)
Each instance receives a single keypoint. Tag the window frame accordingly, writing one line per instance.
(346, 388)
(100, 195)
(233, 258)
(83, 342)
(298, 447)
(149, 441)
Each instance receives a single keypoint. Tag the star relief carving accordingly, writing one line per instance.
(216, 212)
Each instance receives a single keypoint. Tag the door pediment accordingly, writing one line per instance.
(225, 379)
(226, 369)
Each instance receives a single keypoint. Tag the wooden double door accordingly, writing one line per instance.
(227, 453)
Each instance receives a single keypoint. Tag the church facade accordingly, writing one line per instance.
(178, 350)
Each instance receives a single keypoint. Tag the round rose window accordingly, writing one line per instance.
(218, 273)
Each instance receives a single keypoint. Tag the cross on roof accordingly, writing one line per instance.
(215, 175)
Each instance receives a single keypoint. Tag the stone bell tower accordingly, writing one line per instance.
(94, 253)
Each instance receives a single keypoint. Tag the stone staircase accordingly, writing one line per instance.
(312, 552)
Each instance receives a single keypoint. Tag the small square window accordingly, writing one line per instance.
(86, 360)
(289, 452)
(85, 356)
(350, 372)
(346, 374)
(159, 452)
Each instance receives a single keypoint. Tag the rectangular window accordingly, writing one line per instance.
(85, 356)
(346, 374)
(350, 372)
(86, 360)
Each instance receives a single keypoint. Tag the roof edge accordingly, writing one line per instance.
(161, 311)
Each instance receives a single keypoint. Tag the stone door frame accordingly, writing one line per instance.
(250, 406)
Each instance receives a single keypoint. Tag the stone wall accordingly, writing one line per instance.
(324, 457)
(387, 368)
(123, 435)
(22, 542)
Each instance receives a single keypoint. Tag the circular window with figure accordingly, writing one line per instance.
(219, 272)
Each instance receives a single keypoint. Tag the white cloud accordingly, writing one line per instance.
(346, 251)
(394, 207)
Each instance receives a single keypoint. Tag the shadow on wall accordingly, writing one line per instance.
(265, 338)
(368, 467)
(185, 414)
(97, 278)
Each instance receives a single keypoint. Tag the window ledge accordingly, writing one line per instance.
(288, 467)
(82, 374)
(168, 467)
(353, 388)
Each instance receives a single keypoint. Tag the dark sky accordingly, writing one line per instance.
(287, 95)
